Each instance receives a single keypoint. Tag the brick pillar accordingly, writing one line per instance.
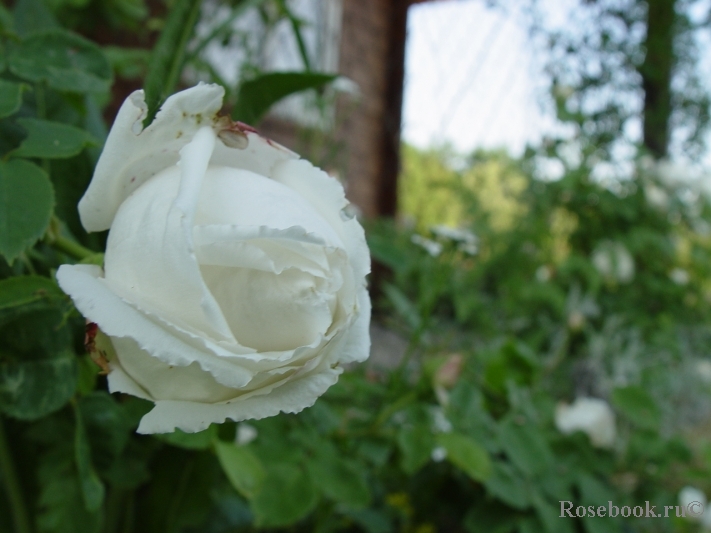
(372, 54)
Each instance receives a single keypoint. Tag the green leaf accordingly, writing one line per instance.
(52, 140)
(38, 372)
(28, 292)
(33, 15)
(108, 427)
(10, 97)
(257, 95)
(466, 454)
(168, 56)
(403, 305)
(371, 520)
(91, 487)
(60, 504)
(32, 389)
(638, 406)
(507, 486)
(64, 60)
(26, 200)
(490, 517)
(61, 510)
(242, 468)
(525, 446)
(191, 441)
(128, 63)
(287, 495)
(340, 480)
(549, 516)
(416, 444)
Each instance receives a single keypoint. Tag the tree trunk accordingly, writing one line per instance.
(656, 72)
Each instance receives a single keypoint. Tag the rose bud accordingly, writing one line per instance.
(234, 282)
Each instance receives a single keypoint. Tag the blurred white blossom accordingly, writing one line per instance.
(703, 370)
(431, 247)
(246, 433)
(592, 416)
(679, 276)
(543, 273)
(693, 501)
(440, 423)
(439, 454)
(467, 241)
(454, 234)
(614, 261)
(656, 196)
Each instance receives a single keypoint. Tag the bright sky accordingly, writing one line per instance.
(474, 80)
(471, 78)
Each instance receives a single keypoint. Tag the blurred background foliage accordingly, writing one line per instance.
(514, 292)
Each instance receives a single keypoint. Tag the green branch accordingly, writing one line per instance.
(71, 248)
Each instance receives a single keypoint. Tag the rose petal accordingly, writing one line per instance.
(242, 198)
(168, 382)
(131, 157)
(261, 248)
(357, 343)
(326, 195)
(149, 254)
(192, 417)
(261, 155)
(117, 318)
(272, 312)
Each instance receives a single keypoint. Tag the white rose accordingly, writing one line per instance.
(234, 281)
(592, 416)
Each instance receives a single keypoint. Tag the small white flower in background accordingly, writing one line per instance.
(672, 174)
(234, 281)
(703, 370)
(679, 276)
(592, 416)
(468, 248)
(438, 454)
(440, 423)
(454, 234)
(431, 247)
(693, 501)
(543, 273)
(656, 197)
(614, 261)
(579, 308)
(246, 433)
(467, 241)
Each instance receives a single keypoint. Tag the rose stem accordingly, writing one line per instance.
(12, 486)
(71, 248)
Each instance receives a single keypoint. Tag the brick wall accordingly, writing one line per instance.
(364, 49)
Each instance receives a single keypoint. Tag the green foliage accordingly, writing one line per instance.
(168, 56)
(26, 201)
(520, 302)
(257, 95)
(63, 60)
(51, 140)
(10, 97)
(243, 469)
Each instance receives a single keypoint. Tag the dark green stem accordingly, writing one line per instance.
(71, 248)
(12, 486)
(178, 495)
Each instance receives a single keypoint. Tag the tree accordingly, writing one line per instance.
(629, 72)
